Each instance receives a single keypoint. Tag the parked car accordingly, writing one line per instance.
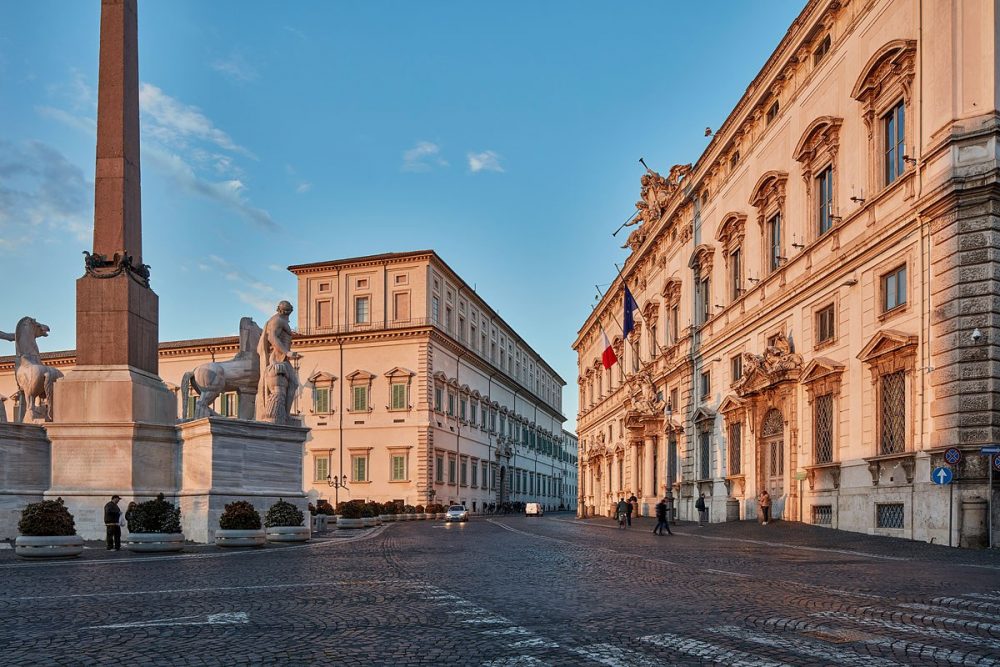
(456, 513)
(533, 509)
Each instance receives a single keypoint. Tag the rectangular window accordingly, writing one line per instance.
(447, 318)
(463, 409)
(822, 515)
(774, 242)
(359, 468)
(360, 400)
(772, 112)
(451, 404)
(822, 49)
(361, 310)
(472, 413)
(465, 472)
(475, 474)
(735, 274)
(484, 411)
(735, 448)
(323, 314)
(451, 471)
(706, 299)
(824, 324)
(824, 194)
(398, 396)
(321, 400)
(889, 515)
(485, 478)
(435, 309)
(704, 454)
(438, 394)
(228, 404)
(823, 425)
(321, 468)
(736, 367)
(894, 289)
(706, 384)
(439, 469)
(401, 306)
(672, 459)
(895, 144)
(893, 408)
(675, 324)
(398, 467)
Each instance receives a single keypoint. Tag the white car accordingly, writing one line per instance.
(533, 509)
(456, 513)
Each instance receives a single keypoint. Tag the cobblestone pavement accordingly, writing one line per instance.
(514, 591)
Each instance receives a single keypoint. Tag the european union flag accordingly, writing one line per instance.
(630, 307)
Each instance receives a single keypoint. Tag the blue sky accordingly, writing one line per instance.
(504, 135)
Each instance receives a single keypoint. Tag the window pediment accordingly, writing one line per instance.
(703, 415)
(770, 187)
(731, 231)
(650, 312)
(702, 258)
(888, 342)
(895, 59)
(322, 377)
(671, 291)
(822, 135)
(400, 373)
(360, 376)
(820, 368)
(731, 404)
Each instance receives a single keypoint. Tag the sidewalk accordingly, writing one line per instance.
(795, 535)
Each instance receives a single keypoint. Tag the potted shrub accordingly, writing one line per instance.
(284, 523)
(322, 514)
(388, 512)
(350, 515)
(418, 512)
(154, 526)
(439, 511)
(239, 526)
(409, 513)
(374, 511)
(47, 530)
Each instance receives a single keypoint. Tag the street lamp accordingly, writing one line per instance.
(337, 483)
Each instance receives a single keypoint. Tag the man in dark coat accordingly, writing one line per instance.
(112, 519)
(621, 510)
(661, 518)
(633, 506)
(702, 510)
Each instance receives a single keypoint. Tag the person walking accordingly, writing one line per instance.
(702, 510)
(661, 518)
(622, 512)
(112, 522)
(765, 506)
(130, 513)
(629, 508)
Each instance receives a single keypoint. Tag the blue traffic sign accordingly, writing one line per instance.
(952, 455)
(996, 462)
(990, 449)
(942, 475)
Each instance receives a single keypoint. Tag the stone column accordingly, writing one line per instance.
(633, 452)
(648, 490)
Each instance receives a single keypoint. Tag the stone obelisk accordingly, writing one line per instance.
(113, 429)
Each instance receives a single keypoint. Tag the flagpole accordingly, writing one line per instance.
(635, 347)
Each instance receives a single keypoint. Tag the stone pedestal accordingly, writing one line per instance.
(113, 394)
(223, 460)
(93, 461)
(24, 472)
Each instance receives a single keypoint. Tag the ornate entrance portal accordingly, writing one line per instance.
(773, 440)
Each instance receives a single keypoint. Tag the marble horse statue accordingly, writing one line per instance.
(241, 373)
(34, 379)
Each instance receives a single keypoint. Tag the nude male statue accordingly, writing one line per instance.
(278, 383)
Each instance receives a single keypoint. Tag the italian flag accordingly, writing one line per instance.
(608, 357)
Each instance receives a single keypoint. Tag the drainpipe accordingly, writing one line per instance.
(340, 427)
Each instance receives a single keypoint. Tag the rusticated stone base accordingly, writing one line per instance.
(24, 471)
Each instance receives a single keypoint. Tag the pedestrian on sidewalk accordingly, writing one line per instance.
(632, 507)
(112, 523)
(702, 510)
(661, 518)
(765, 506)
(622, 512)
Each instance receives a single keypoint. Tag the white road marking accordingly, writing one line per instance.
(984, 596)
(172, 591)
(227, 618)
(825, 653)
(948, 610)
(961, 602)
(912, 629)
(616, 656)
(707, 651)
(924, 618)
(516, 661)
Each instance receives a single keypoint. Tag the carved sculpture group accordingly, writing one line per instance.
(35, 381)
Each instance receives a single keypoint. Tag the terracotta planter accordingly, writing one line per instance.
(48, 546)
(288, 534)
(154, 542)
(350, 523)
(239, 538)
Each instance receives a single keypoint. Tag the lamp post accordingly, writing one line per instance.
(668, 427)
(337, 483)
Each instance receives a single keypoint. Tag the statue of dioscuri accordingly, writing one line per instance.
(278, 381)
(241, 373)
(35, 380)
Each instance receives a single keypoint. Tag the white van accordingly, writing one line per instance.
(533, 509)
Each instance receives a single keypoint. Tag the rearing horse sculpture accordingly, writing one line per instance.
(34, 379)
(241, 373)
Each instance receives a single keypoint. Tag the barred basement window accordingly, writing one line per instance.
(889, 515)
(893, 408)
(823, 419)
(822, 515)
(735, 448)
(705, 451)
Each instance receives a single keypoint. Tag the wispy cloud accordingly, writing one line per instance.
(296, 32)
(171, 122)
(303, 188)
(230, 193)
(248, 289)
(423, 157)
(235, 67)
(86, 124)
(42, 195)
(484, 161)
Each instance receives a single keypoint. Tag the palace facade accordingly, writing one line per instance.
(413, 387)
(818, 294)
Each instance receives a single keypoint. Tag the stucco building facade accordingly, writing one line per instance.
(817, 294)
(413, 387)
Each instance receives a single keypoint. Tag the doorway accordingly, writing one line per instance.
(773, 440)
